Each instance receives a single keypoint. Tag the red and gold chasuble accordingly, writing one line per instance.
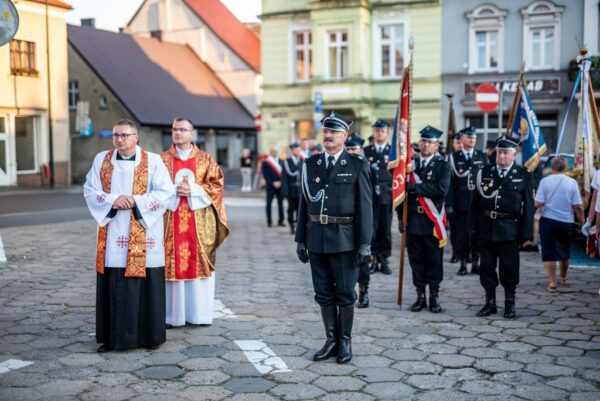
(136, 248)
(193, 236)
(184, 219)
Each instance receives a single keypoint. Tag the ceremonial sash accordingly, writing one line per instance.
(136, 246)
(437, 218)
(275, 166)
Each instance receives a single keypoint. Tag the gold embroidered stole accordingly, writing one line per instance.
(136, 246)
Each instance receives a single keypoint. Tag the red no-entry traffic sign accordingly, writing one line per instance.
(487, 97)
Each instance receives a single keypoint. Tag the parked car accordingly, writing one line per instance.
(569, 157)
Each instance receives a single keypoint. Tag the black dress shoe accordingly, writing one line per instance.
(490, 304)
(462, 270)
(105, 348)
(152, 347)
(385, 266)
(510, 309)
(421, 302)
(281, 224)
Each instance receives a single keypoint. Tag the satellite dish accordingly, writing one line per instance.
(9, 21)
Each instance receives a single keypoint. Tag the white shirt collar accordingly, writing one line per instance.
(379, 147)
(426, 160)
(336, 156)
(468, 152)
(507, 169)
(184, 154)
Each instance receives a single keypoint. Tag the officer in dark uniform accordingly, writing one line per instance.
(456, 144)
(377, 154)
(354, 145)
(334, 232)
(490, 149)
(424, 252)
(503, 218)
(465, 165)
(290, 184)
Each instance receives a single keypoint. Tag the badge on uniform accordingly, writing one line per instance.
(318, 179)
(485, 188)
(319, 162)
(371, 158)
(386, 158)
(460, 171)
(343, 162)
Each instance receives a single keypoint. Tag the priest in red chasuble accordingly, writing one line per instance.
(127, 191)
(196, 226)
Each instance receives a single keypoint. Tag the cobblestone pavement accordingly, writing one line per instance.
(47, 295)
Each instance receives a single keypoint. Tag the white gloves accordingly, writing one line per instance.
(585, 229)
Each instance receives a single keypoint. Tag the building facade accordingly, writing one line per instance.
(346, 56)
(25, 107)
(485, 41)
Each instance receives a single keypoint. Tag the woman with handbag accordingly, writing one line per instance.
(557, 201)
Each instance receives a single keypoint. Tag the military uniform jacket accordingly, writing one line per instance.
(511, 195)
(290, 181)
(346, 192)
(380, 160)
(435, 184)
(464, 174)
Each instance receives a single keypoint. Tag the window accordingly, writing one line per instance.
(486, 39)
(103, 102)
(541, 35)
(487, 50)
(302, 56)
(337, 54)
(22, 58)
(73, 94)
(25, 144)
(391, 39)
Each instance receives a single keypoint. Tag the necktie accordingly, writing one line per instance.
(423, 163)
(502, 172)
(330, 161)
(468, 156)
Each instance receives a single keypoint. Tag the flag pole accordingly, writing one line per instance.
(411, 46)
(515, 103)
(451, 123)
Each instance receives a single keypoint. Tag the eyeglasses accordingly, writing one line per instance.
(180, 129)
(122, 136)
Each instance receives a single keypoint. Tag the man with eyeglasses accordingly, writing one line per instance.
(334, 232)
(196, 226)
(127, 191)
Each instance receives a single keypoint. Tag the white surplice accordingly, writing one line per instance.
(151, 205)
(190, 300)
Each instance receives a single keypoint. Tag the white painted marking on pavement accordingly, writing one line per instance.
(220, 311)
(13, 364)
(262, 357)
(2, 254)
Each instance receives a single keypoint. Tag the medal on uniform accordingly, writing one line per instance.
(491, 184)
(320, 161)
(485, 188)
(460, 171)
(318, 179)
(385, 158)
(343, 162)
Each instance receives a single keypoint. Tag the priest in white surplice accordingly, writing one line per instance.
(127, 191)
(196, 226)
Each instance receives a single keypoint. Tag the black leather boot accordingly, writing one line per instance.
(421, 301)
(385, 265)
(510, 311)
(462, 270)
(346, 317)
(490, 304)
(434, 301)
(330, 320)
(363, 296)
(475, 266)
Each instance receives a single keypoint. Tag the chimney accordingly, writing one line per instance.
(90, 22)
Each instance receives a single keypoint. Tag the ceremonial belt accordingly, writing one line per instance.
(500, 216)
(325, 219)
(418, 209)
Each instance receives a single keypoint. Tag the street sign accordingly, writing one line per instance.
(487, 97)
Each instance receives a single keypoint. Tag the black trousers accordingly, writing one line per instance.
(382, 240)
(453, 232)
(465, 241)
(334, 277)
(426, 260)
(130, 311)
(505, 255)
(292, 211)
(274, 192)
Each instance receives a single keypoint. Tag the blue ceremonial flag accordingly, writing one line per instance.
(525, 127)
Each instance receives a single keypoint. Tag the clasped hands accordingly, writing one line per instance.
(124, 202)
(184, 190)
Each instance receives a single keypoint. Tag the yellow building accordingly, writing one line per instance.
(24, 103)
(350, 54)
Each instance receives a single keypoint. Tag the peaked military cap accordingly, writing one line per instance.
(354, 141)
(491, 144)
(294, 145)
(505, 142)
(380, 124)
(468, 131)
(456, 137)
(336, 122)
(430, 133)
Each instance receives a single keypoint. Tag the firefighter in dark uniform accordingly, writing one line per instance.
(490, 150)
(456, 145)
(424, 251)
(465, 164)
(290, 184)
(354, 144)
(503, 219)
(334, 232)
(377, 154)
